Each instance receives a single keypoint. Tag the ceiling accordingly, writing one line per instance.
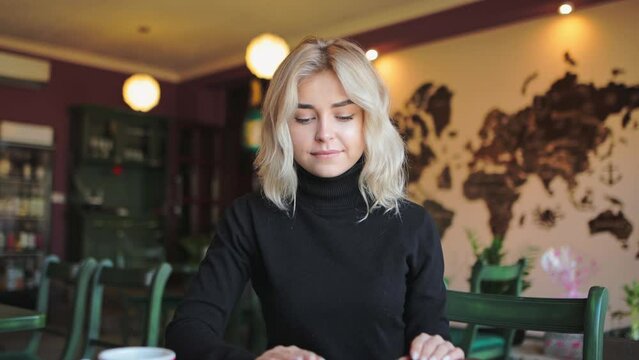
(185, 39)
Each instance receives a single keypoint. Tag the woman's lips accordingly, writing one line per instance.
(325, 153)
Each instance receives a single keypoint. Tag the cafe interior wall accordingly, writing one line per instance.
(70, 84)
(506, 69)
(209, 100)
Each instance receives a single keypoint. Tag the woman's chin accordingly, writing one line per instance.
(327, 170)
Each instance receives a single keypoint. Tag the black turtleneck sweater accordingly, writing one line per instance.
(327, 283)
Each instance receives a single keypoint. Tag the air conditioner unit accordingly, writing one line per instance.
(24, 133)
(23, 71)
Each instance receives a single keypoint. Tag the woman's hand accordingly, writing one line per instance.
(427, 347)
(289, 353)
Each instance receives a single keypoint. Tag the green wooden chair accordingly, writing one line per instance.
(76, 275)
(481, 343)
(585, 316)
(152, 282)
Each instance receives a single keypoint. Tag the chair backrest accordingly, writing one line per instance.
(511, 275)
(76, 275)
(500, 279)
(584, 316)
(152, 281)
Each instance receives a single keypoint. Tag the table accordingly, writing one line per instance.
(18, 319)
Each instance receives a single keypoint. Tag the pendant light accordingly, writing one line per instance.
(141, 92)
(264, 54)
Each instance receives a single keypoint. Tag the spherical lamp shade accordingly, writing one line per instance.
(264, 54)
(141, 92)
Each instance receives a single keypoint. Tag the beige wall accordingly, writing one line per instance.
(486, 70)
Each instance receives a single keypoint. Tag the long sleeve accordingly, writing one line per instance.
(198, 326)
(426, 294)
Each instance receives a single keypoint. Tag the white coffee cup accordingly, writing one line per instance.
(137, 353)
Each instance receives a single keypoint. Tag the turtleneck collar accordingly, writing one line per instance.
(339, 192)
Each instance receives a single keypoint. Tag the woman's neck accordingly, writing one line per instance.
(337, 192)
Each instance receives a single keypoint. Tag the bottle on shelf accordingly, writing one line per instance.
(23, 202)
(5, 165)
(3, 240)
(38, 241)
(27, 169)
(15, 205)
(40, 169)
(23, 241)
(11, 241)
(36, 205)
(14, 276)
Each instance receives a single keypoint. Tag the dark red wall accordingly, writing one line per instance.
(70, 84)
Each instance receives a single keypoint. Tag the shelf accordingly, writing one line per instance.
(150, 164)
(22, 253)
(104, 215)
(17, 180)
(22, 218)
(26, 146)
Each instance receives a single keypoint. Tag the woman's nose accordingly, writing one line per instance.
(324, 131)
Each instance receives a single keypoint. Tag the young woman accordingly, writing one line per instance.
(345, 267)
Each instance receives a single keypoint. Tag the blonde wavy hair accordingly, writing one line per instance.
(382, 180)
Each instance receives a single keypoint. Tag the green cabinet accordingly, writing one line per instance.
(117, 185)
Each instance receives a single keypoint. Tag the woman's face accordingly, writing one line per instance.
(327, 129)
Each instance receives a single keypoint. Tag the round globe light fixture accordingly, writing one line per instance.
(372, 54)
(264, 54)
(141, 92)
(565, 8)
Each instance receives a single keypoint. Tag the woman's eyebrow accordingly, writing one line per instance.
(342, 103)
(337, 104)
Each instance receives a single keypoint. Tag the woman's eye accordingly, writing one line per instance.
(303, 120)
(344, 117)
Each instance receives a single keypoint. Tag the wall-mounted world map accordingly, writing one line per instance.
(553, 137)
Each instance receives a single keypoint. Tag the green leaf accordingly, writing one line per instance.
(474, 242)
(493, 254)
(632, 295)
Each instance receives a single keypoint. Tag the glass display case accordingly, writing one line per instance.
(25, 205)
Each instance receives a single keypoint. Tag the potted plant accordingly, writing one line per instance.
(493, 254)
(632, 300)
